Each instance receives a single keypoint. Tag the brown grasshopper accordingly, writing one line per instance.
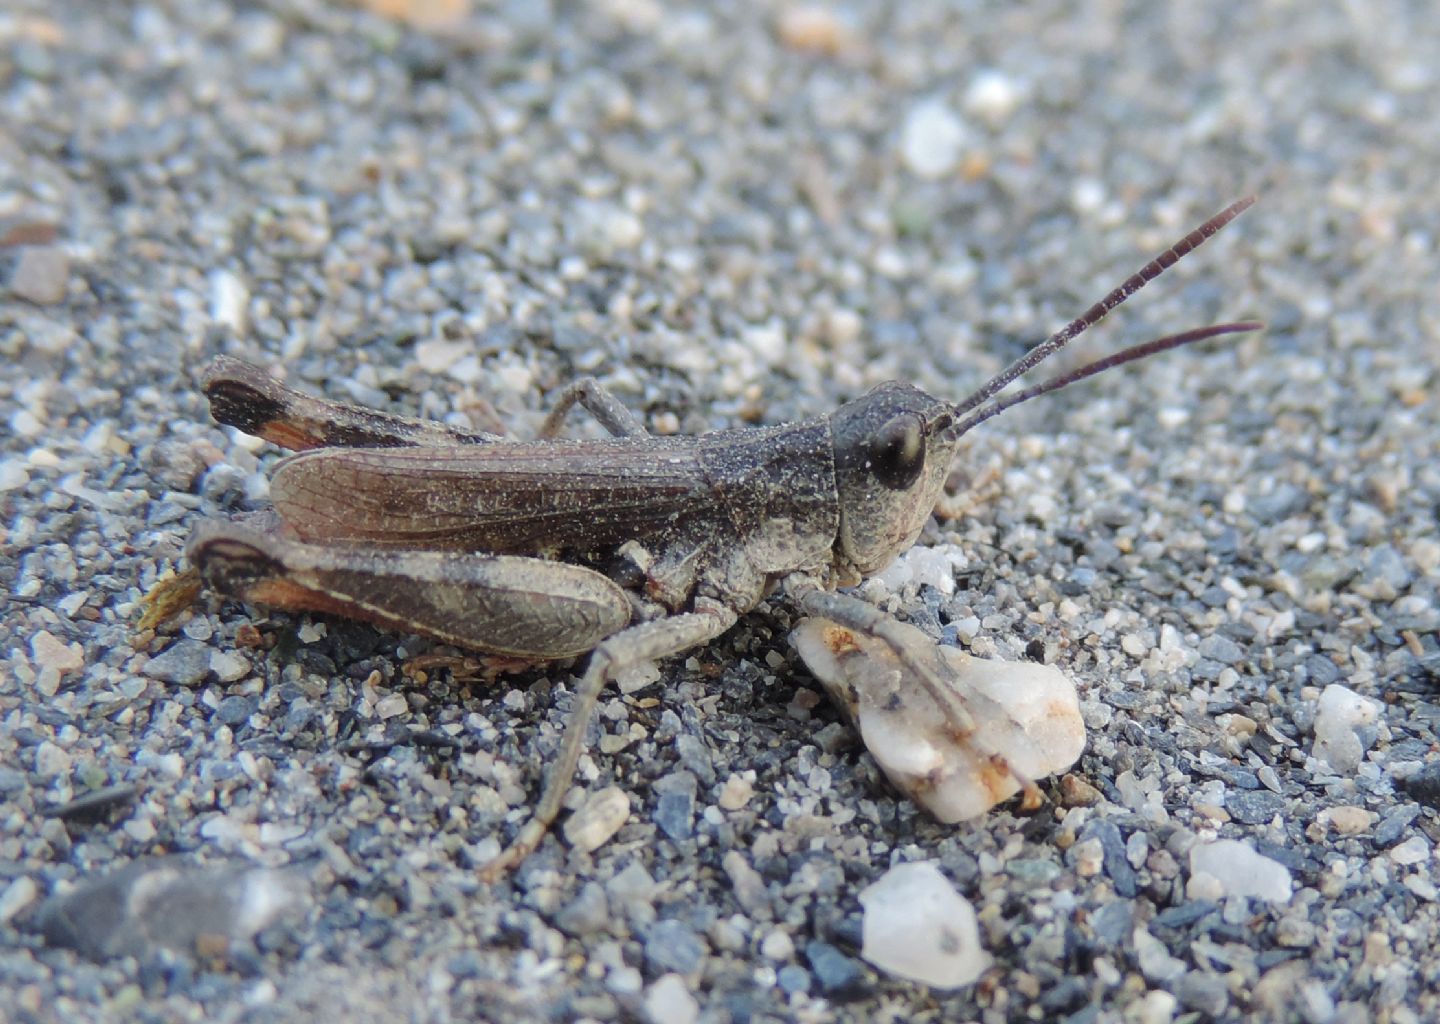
(631, 548)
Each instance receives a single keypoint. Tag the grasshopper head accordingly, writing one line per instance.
(891, 456)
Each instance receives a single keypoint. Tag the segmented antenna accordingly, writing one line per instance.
(1093, 316)
(1128, 355)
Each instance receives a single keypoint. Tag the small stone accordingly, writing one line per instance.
(18, 895)
(1156, 1008)
(51, 760)
(1241, 871)
(1076, 792)
(672, 945)
(736, 793)
(1156, 963)
(41, 274)
(1393, 825)
(391, 706)
(917, 926)
(839, 975)
(932, 139)
(777, 946)
(668, 1001)
(675, 805)
(602, 815)
(747, 883)
(1346, 820)
(1344, 723)
(992, 96)
(1220, 648)
(49, 652)
(229, 302)
(186, 663)
(228, 666)
(812, 28)
(1254, 806)
(1203, 992)
(236, 711)
(1414, 850)
(587, 914)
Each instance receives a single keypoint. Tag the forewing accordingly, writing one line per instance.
(505, 497)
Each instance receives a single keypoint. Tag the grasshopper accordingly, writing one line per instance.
(631, 548)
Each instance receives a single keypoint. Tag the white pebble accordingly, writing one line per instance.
(1414, 850)
(51, 759)
(228, 666)
(932, 139)
(18, 895)
(229, 301)
(917, 926)
(777, 946)
(1241, 871)
(13, 475)
(603, 814)
(992, 96)
(1343, 721)
(670, 1002)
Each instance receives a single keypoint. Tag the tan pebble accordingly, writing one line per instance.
(1077, 792)
(813, 29)
(601, 817)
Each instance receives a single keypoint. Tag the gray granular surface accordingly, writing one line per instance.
(730, 214)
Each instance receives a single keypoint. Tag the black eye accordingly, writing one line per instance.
(897, 451)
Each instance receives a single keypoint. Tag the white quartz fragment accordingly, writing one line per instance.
(1025, 718)
(1344, 723)
(1240, 871)
(917, 926)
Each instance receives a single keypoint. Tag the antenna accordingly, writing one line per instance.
(1092, 316)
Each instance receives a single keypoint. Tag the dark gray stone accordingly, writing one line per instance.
(186, 663)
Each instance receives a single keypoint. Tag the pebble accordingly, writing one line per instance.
(51, 760)
(992, 96)
(186, 663)
(1343, 721)
(777, 945)
(675, 805)
(1414, 850)
(736, 793)
(228, 666)
(671, 945)
(586, 914)
(668, 1001)
(41, 275)
(1241, 871)
(1346, 820)
(602, 815)
(49, 652)
(1203, 992)
(813, 28)
(839, 976)
(917, 926)
(1254, 806)
(747, 884)
(932, 139)
(18, 895)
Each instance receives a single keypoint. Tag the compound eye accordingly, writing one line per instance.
(897, 451)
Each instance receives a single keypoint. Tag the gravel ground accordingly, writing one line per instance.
(729, 217)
